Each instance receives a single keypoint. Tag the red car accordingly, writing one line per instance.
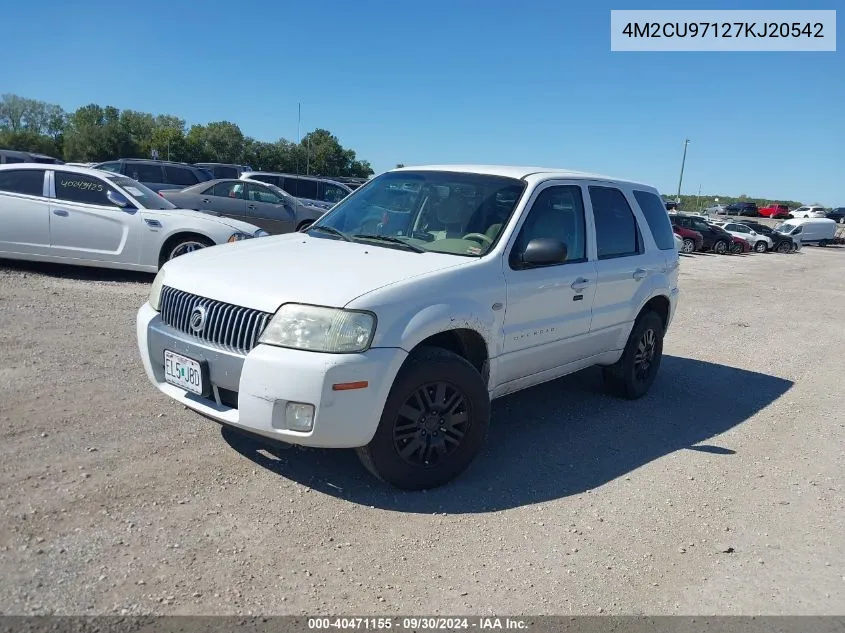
(774, 211)
(740, 246)
(693, 240)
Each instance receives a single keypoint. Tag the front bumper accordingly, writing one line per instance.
(251, 392)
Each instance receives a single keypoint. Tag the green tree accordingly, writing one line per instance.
(97, 133)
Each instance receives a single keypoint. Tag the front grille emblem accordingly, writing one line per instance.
(197, 321)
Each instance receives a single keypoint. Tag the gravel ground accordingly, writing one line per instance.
(719, 493)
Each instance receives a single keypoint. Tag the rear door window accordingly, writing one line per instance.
(617, 234)
(26, 181)
(229, 189)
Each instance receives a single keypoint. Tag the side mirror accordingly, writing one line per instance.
(543, 251)
(117, 199)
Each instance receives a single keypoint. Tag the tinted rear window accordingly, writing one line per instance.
(144, 172)
(28, 181)
(657, 219)
(180, 175)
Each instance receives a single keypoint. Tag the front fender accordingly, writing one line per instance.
(156, 236)
(415, 325)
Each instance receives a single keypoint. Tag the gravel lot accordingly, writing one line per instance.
(719, 493)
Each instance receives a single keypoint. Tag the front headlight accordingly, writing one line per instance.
(260, 233)
(155, 291)
(237, 236)
(320, 329)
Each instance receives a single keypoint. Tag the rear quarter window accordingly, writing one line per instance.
(658, 220)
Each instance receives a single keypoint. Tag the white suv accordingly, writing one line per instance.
(809, 211)
(392, 322)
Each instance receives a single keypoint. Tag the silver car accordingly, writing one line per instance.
(259, 203)
(77, 215)
(321, 192)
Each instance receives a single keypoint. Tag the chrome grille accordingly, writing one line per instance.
(231, 327)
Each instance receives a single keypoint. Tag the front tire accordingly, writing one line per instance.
(784, 247)
(761, 247)
(633, 374)
(688, 247)
(720, 247)
(182, 245)
(434, 422)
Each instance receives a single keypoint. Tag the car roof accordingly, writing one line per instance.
(287, 175)
(90, 171)
(516, 171)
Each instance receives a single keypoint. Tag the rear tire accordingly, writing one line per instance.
(689, 246)
(633, 374)
(761, 247)
(304, 225)
(434, 422)
(736, 249)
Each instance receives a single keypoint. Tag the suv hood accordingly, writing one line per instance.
(235, 225)
(266, 272)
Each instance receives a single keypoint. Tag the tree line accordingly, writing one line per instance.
(96, 133)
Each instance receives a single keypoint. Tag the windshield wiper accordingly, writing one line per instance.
(389, 238)
(331, 231)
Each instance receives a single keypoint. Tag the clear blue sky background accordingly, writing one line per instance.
(494, 81)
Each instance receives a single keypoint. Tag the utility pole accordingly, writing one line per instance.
(683, 161)
(298, 133)
(698, 199)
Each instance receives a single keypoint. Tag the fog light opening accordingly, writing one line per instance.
(299, 416)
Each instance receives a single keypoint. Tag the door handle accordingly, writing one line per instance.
(60, 212)
(251, 206)
(206, 201)
(640, 273)
(579, 284)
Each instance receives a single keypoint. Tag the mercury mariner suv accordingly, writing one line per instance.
(391, 323)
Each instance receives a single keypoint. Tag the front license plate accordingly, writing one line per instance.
(183, 372)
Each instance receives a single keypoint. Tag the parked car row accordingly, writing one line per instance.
(79, 215)
(700, 233)
(774, 211)
(265, 205)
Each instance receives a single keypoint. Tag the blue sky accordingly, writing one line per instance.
(530, 82)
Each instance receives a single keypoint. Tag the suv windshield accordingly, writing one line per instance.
(435, 211)
(145, 196)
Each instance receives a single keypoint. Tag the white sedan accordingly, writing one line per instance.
(77, 215)
(759, 242)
